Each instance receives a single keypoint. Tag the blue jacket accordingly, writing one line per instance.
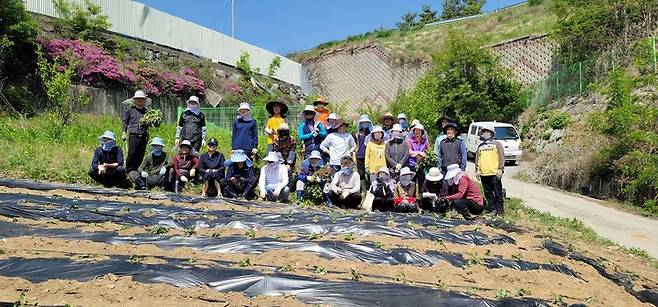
(307, 170)
(305, 134)
(114, 155)
(245, 135)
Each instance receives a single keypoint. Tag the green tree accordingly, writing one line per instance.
(57, 81)
(408, 20)
(473, 7)
(79, 22)
(588, 28)
(451, 9)
(243, 65)
(428, 15)
(274, 66)
(465, 83)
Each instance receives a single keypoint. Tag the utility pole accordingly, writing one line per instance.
(233, 18)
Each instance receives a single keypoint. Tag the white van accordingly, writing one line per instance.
(505, 133)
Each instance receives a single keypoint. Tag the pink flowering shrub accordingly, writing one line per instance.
(93, 65)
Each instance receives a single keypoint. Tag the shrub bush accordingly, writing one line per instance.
(559, 120)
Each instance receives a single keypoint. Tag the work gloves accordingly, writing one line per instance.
(144, 174)
(499, 174)
(163, 171)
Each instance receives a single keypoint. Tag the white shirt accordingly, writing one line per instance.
(346, 183)
(339, 145)
(276, 174)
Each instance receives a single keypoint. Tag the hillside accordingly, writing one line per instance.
(421, 42)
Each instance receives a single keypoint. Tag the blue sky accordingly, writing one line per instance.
(284, 26)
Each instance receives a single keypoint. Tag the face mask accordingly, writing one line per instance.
(404, 124)
(486, 135)
(405, 180)
(348, 170)
(383, 178)
(364, 126)
(157, 151)
(195, 108)
(396, 134)
(246, 116)
(107, 146)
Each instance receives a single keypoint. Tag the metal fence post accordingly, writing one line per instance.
(580, 75)
(653, 43)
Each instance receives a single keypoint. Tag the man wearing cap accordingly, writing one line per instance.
(452, 150)
(311, 131)
(185, 166)
(332, 123)
(212, 168)
(320, 105)
(397, 150)
(382, 188)
(361, 137)
(107, 163)
(240, 180)
(433, 191)
(273, 180)
(307, 177)
(153, 170)
(337, 145)
(134, 132)
(245, 131)
(466, 199)
(278, 111)
(387, 121)
(346, 186)
(405, 192)
(192, 125)
(375, 153)
(441, 123)
(489, 168)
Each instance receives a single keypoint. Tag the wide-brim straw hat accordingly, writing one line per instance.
(270, 107)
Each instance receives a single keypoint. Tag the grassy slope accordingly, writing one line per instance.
(40, 148)
(421, 42)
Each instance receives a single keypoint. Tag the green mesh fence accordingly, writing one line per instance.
(223, 117)
(570, 80)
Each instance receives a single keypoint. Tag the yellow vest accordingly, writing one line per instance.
(273, 123)
(488, 159)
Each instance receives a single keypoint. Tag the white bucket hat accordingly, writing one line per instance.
(185, 143)
(377, 129)
(385, 170)
(419, 126)
(272, 157)
(309, 108)
(402, 116)
(333, 116)
(244, 106)
(138, 94)
(453, 170)
(433, 175)
(108, 135)
(407, 171)
(397, 127)
(315, 155)
(193, 98)
(489, 128)
(157, 141)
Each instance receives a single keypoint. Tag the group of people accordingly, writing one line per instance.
(380, 167)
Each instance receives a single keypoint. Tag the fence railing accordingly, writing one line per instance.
(574, 79)
(223, 117)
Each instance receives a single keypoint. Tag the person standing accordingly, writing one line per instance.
(311, 131)
(332, 123)
(338, 145)
(452, 149)
(278, 111)
(387, 121)
(285, 146)
(320, 105)
(404, 124)
(136, 134)
(192, 125)
(361, 138)
(375, 153)
(441, 123)
(245, 131)
(397, 150)
(489, 168)
(419, 145)
(107, 163)
(153, 170)
(212, 168)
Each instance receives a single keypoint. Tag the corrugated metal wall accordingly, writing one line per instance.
(137, 20)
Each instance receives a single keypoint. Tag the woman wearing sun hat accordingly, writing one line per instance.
(135, 133)
(320, 105)
(433, 192)
(240, 180)
(192, 125)
(278, 111)
(419, 145)
(245, 131)
(382, 188)
(405, 192)
(107, 163)
(311, 131)
(467, 199)
(387, 121)
(375, 153)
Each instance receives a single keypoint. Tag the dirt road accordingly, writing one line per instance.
(626, 229)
